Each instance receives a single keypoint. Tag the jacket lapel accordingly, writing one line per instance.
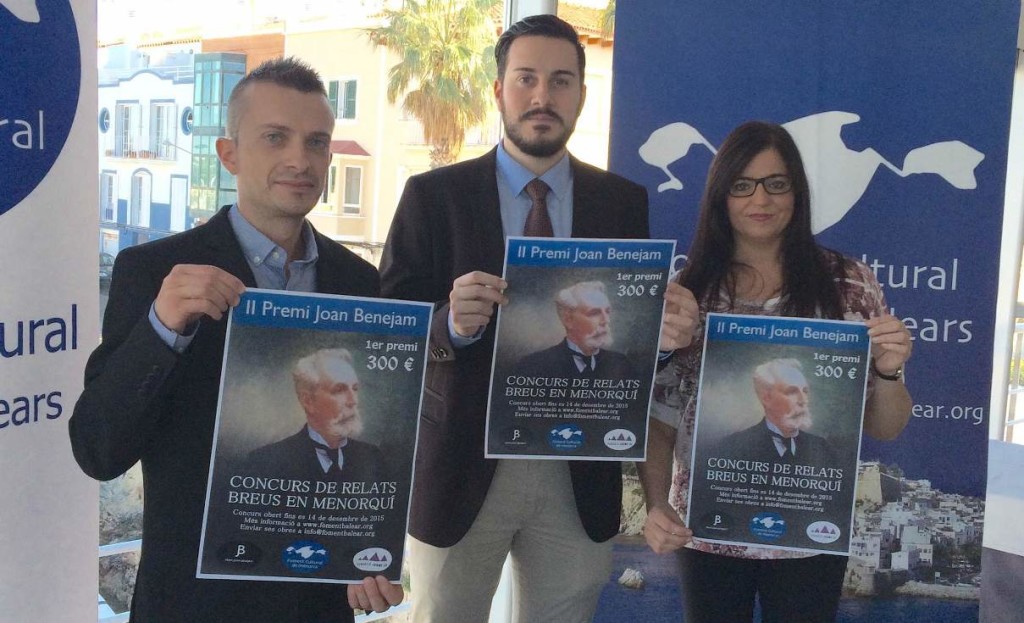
(329, 279)
(224, 248)
(484, 212)
(587, 221)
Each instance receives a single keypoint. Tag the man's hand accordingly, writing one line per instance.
(191, 291)
(681, 315)
(375, 594)
(472, 301)
(664, 530)
(890, 343)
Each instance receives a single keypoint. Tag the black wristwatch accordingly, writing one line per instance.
(895, 376)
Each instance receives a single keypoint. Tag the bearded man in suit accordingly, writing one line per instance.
(585, 313)
(446, 246)
(325, 448)
(783, 434)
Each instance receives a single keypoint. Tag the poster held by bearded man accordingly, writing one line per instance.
(577, 348)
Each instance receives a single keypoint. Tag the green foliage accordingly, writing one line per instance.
(1016, 372)
(608, 19)
(972, 552)
(447, 67)
(942, 555)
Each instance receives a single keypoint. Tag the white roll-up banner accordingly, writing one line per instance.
(49, 306)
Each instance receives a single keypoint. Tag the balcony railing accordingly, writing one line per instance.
(140, 154)
(110, 77)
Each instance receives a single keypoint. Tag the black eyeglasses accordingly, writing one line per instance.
(773, 185)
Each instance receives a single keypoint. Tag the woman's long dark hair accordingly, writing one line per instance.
(809, 271)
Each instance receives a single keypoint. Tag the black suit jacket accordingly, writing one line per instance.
(143, 401)
(295, 457)
(558, 361)
(756, 443)
(448, 223)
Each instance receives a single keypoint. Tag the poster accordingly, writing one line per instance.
(305, 374)
(777, 434)
(576, 348)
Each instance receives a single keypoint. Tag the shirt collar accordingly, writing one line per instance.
(577, 350)
(257, 247)
(557, 178)
(317, 437)
(775, 429)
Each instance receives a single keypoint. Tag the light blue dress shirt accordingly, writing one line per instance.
(267, 261)
(515, 204)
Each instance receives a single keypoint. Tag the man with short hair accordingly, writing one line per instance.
(585, 313)
(151, 386)
(446, 246)
(327, 388)
(782, 435)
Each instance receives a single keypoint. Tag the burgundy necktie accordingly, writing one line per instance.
(538, 223)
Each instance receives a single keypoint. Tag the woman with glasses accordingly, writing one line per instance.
(754, 253)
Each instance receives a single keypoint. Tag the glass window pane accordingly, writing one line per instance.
(350, 100)
(353, 189)
(332, 96)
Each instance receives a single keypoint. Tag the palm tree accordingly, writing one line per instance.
(608, 19)
(447, 67)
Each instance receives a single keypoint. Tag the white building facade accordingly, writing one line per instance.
(145, 155)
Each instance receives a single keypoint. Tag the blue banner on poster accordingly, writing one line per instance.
(792, 331)
(588, 253)
(901, 111)
(271, 308)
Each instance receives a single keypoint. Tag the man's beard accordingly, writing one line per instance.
(803, 421)
(597, 342)
(541, 147)
(352, 427)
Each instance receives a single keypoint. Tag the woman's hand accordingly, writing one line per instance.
(889, 406)
(890, 343)
(680, 321)
(664, 531)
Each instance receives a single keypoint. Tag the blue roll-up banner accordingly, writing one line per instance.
(49, 306)
(901, 111)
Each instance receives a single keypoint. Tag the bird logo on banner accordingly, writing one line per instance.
(829, 162)
(25, 10)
